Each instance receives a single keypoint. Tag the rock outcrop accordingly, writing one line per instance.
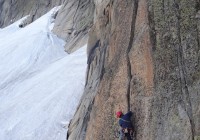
(143, 56)
(13, 10)
(73, 22)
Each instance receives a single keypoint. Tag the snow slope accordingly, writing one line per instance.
(40, 84)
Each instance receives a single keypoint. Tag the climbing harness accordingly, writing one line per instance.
(124, 120)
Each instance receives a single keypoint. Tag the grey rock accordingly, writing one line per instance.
(13, 10)
(27, 21)
(73, 22)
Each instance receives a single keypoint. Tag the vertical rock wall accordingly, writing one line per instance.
(13, 10)
(143, 56)
(175, 108)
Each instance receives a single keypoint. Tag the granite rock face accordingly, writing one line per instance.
(143, 56)
(13, 10)
(73, 22)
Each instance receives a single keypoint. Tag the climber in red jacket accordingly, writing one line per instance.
(126, 125)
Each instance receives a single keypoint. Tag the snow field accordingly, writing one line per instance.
(40, 84)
